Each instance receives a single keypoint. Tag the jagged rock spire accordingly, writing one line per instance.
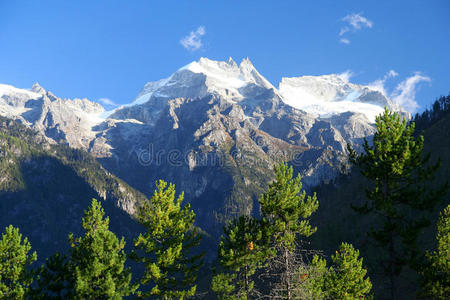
(36, 88)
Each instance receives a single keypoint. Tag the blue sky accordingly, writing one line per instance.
(110, 49)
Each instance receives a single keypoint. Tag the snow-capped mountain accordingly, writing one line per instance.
(199, 78)
(60, 120)
(324, 96)
(329, 95)
(213, 128)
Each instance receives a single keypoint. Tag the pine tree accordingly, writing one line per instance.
(165, 248)
(310, 280)
(286, 209)
(346, 279)
(97, 259)
(222, 285)
(243, 249)
(54, 279)
(15, 261)
(397, 168)
(436, 272)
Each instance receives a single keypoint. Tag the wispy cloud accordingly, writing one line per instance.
(378, 85)
(107, 101)
(357, 22)
(404, 94)
(343, 31)
(193, 41)
(345, 76)
(354, 22)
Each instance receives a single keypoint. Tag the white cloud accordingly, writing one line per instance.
(193, 41)
(355, 22)
(405, 92)
(346, 75)
(343, 30)
(378, 85)
(391, 73)
(107, 101)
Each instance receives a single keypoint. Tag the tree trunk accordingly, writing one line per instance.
(386, 194)
(392, 266)
(288, 277)
(246, 281)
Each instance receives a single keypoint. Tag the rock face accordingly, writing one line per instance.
(61, 121)
(213, 128)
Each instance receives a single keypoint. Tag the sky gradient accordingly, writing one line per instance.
(110, 49)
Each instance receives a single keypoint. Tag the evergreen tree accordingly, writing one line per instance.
(439, 109)
(54, 279)
(310, 280)
(222, 285)
(164, 249)
(286, 209)
(436, 272)
(242, 250)
(345, 280)
(97, 259)
(397, 168)
(15, 261)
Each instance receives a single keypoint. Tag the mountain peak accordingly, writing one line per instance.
(324, 95)
(331, 94)
(227, 74)
(247, 67)
(208, 66)
(246, 63)
(203, 76)
(251, 75)
(37, 88)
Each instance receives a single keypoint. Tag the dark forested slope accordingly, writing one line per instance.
(45, 188)
(338, 222)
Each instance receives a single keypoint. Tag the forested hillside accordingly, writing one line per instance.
(45, 188)
(301, 245)
(338, 222)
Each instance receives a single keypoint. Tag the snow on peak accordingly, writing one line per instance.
(316, 88)
(324, 95)
(149, 89)
(228, 72)
(10, 90)
(327, 95)
(36, 88)
(232, 75)
(219, 74)
(225, 78)
(250, 74)
(14, 103)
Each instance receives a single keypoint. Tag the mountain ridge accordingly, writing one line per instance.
(215, 129)
(226, 77)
